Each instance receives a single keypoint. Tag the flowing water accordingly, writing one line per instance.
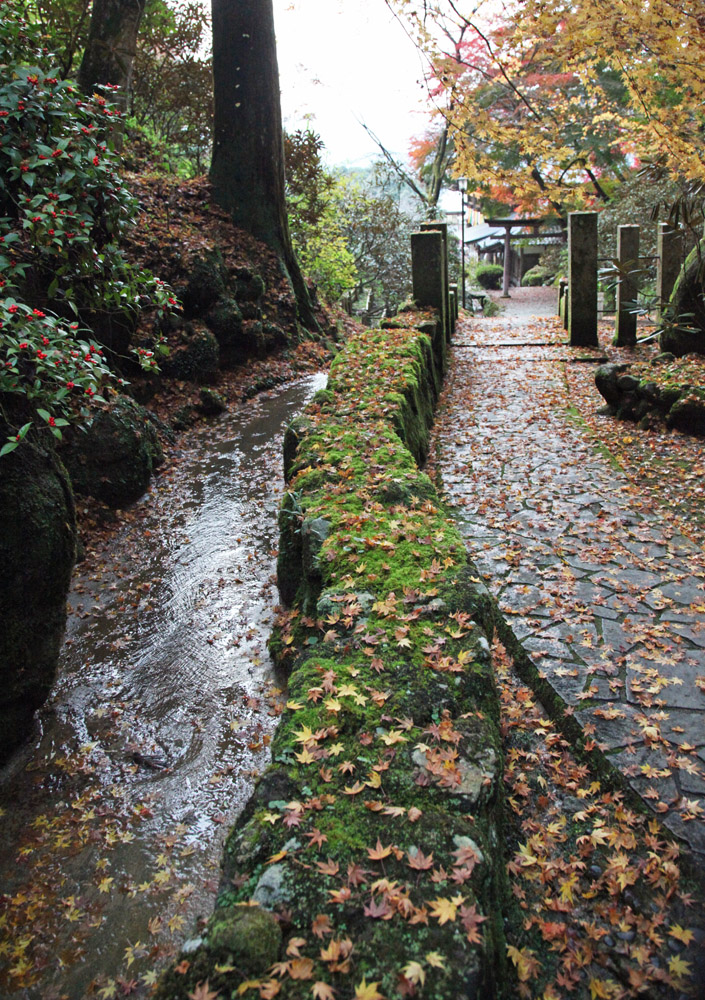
(114, 817)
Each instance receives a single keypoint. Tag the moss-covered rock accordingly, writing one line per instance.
(211, 403)
(195, 357)
(246, 936)
(688, 412)
(206, 284)
(112, 458)
(224, 320)
(667, 388)
(606, 380)
(248, 287)
(37, 550)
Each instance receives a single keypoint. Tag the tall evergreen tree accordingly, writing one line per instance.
(247, 168)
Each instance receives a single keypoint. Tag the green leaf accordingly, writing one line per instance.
(44, 415)
(7, 448)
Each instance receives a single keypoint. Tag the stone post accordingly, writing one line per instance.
(582, 277)
(627, 286)
(435, 225)
(428, 273)
(506, 274)
(669, 248)
(453, 294)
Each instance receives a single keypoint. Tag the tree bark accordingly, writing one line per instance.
(247, 167)
(110, 51)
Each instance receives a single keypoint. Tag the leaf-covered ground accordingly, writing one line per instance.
(589, 533)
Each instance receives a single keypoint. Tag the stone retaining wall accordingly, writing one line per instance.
(369, 861)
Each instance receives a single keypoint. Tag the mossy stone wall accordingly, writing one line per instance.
(374, 838)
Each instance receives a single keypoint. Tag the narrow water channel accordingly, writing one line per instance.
(114, 817)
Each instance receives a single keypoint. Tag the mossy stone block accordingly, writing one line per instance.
(246, 936)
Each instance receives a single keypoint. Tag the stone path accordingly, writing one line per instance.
(604, 594)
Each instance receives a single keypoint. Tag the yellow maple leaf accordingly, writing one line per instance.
(415, 973)
(602, 989)
(524, 962)
(434, 959)
(367, 991)
(679, 968)
(394, 736)
(681, 934)
(445, 909)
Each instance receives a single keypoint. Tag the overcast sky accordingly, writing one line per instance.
(346, 61)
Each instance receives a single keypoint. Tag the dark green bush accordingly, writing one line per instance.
(489, 276)
(536, 276)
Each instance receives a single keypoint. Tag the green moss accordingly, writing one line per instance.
(246, 936)
(391, 731)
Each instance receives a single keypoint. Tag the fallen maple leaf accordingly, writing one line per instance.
(301, 968)
(681, 934)
(367, 991)
(420, 862)
(203, 992)
(415, 973)
(445, 909)
(524, 961)
(328, 867)
(322, 991)
(378, 852)
(321, 925)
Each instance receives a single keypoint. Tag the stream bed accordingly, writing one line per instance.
(114, 816)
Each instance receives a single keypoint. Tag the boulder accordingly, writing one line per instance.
(248, 287)
(196, 358)
(224, 321)
(205, 285)
(688, 413)
(112, 459)
(37, 550)
(607, 382)
(211, 403)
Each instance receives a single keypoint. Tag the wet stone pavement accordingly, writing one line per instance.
(605, 594)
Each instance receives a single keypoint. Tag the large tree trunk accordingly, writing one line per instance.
(247, 168)
(110, 52)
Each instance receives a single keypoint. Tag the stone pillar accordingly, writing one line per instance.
(507, 251)
(669, 248)
(428, 273)
(627, 286)
(435, 225)
(453, 302)
(582, 279)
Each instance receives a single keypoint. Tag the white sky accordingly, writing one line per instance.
(342, 61)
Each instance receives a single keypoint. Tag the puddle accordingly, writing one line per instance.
(159, 723)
